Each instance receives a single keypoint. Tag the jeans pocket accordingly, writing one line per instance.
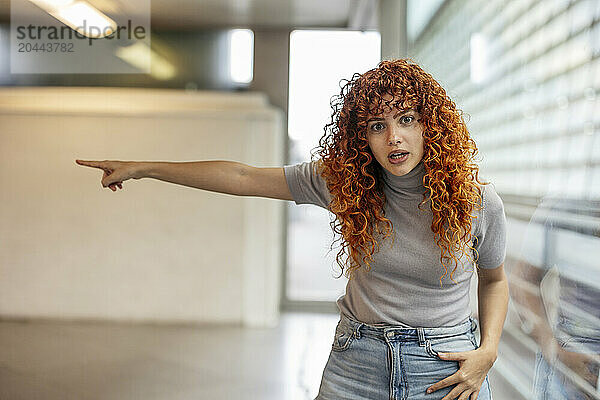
(343, 338)
(450, 344)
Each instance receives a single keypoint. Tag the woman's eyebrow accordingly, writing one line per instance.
(399, 114)
(402, 112)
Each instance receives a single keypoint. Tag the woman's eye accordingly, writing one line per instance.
(407, 119)
(377, 126)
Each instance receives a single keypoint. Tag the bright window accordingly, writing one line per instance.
(319, 59)
(241, 55)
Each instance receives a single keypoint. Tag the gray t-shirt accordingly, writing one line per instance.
(403, 285)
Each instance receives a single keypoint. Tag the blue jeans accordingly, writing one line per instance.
(386, 362)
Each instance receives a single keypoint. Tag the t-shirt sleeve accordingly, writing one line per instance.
(490, 235)
(306, 185)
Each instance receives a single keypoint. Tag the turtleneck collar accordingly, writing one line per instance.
(409, 183)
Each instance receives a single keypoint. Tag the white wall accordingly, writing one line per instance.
(153, 251)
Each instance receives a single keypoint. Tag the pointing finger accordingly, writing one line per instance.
(95, 164)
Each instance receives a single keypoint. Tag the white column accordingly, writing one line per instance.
(392, 27)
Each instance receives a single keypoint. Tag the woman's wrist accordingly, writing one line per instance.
(140, 169)
(491, 350)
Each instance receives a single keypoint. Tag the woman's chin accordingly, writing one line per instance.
(399, 169)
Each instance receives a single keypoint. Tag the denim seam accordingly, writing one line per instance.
(392, 372)
(340, 330)
(430, 350)
(403, 382)
(392, 367)
(345, 346)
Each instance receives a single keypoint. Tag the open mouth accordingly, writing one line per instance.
(398, 155)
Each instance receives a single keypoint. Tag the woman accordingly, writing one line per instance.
(396, 171)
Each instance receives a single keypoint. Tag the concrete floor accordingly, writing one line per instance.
(83, 360)
(76, 360)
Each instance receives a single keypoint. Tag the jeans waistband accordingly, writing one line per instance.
(404, 332)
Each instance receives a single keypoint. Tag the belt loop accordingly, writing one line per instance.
(357, 330)
(421, 335)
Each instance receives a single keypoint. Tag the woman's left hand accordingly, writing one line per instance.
(473, 367)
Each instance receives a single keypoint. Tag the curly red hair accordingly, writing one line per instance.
(354, 177)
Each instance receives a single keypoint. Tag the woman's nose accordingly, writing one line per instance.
(394, 136)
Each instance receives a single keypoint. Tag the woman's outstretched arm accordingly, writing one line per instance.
(216, 176)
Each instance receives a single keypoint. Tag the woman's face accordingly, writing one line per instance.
(393, 132)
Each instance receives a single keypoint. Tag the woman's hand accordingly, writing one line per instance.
(115, 172)
(473, 367)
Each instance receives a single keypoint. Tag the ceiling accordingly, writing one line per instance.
(254, 14)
